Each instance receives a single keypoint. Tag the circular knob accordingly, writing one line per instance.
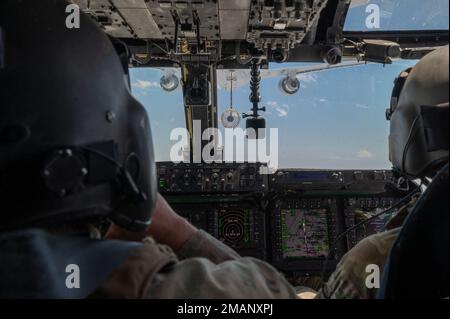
(359, 176)
(215, 177)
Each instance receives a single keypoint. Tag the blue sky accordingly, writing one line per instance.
(337, 120)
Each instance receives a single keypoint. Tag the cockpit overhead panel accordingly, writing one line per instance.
(220, 29)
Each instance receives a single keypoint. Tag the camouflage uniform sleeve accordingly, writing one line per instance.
(349, 279)
(204, 269)
(203, 245)
(208, 270)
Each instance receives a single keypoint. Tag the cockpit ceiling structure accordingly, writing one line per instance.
(274, 27)
(260, 22)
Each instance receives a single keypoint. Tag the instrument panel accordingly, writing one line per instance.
(358, 210)
(298, 239)
(212, 178)
(239, 225)
(290, 219)
(303, 232)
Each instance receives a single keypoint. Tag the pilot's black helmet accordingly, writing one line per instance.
(419, 136)
(74, 143)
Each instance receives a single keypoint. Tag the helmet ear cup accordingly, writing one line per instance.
(64, 172)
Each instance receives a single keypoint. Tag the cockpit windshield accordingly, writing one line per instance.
(397, 15)
(337, 117)
(336, 120)
(165, 109)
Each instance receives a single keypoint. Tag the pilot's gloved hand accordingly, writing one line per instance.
(167, 228)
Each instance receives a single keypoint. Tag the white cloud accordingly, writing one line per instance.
(307, 78)
(282, 111)
(143, 85)
(365, 154)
